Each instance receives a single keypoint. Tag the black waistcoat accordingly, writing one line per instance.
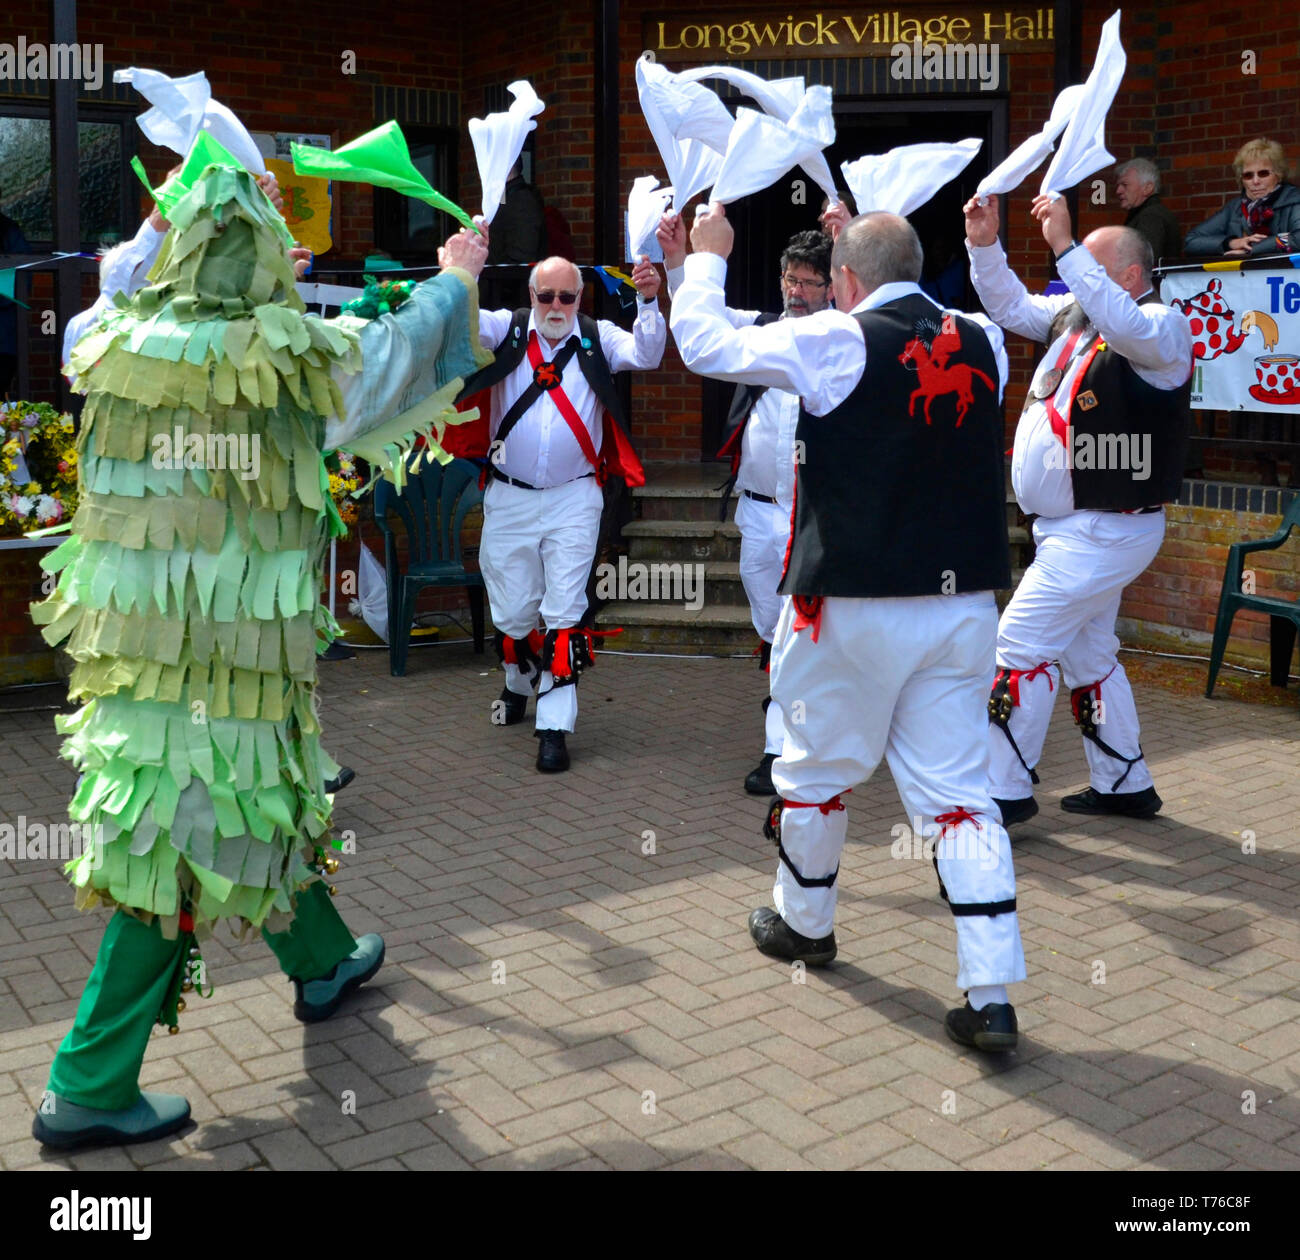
(1116, 416)
(745, 399)
(591, 359)
(887, 503)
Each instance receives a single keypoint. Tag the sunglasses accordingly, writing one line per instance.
(1255, 174)
(549, 296)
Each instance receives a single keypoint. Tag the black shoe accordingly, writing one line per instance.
(512, 710)
(1144, 804)
(345, 776)
(1016, 811)
(991, 1028)
(552, 756)
(777, 939)
(758, 782)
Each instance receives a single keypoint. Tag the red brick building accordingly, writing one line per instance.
(1201, 79)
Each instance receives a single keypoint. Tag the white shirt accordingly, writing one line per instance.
(1155, 339)
(820, 357)
(541, 449)
(767, 445)
(128, 270)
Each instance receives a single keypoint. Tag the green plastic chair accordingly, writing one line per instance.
(432, 507)
(1284, 614)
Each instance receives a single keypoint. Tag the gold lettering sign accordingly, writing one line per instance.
(842, 32)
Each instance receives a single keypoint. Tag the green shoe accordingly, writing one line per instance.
(67, 1125)
(315, 1000)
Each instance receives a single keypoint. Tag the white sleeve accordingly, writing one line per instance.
(130, 268)
(739, 319)
(1007, 301)
(643, 347)
(1154, 338)
(493, 327)
(821, 357)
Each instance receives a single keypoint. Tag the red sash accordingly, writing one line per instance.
(616, 453)
(1060, 424)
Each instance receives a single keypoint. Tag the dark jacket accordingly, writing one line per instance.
(1212, 236)
(1159, 225)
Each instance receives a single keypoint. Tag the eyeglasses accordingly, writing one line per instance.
(549, 296)
(793, 282)
(1255, 174)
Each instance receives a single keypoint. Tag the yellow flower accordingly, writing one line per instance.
(33, 487)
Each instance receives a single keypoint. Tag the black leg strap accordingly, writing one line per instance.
(772, 831)
(1085, 714)
(1001, 706)
(965, 908)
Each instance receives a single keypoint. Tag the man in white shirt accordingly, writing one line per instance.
(552, 431)
(760, 441)
(882, 649)
(1098, 450)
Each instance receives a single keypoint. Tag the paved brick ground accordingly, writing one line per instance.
(556, 997)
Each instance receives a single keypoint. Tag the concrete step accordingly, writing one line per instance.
(722, 630)
(676, 581)
(683, 540)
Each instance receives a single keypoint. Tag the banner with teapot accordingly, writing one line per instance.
(1245, 325)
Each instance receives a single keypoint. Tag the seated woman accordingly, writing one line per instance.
(1261, 220)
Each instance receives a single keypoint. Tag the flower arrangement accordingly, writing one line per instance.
(38, 467)
(345, 479)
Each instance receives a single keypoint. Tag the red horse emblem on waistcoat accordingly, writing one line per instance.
(546, 376)
(936, 377)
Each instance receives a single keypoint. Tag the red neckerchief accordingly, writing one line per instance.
(561, 400)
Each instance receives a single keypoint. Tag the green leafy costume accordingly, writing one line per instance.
(189, 597)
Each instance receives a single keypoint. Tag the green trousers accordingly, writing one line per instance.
(98, 1064)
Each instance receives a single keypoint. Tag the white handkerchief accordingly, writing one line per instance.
(1083, 147)
(646, 204)
(692, 164)
(1010, 173)
(907, 177)
(498, 140)
(762, 148)
(778, 97)
(181, 107)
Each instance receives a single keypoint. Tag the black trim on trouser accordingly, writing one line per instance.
(1001, 706)
(772, 831)
(966, 908)
(1081, 703)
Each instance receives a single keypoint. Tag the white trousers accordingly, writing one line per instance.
(764, 538)
(906, 680)
(1064, 612)
(536, 556)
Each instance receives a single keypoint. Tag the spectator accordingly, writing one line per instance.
(1137, 185)
(519, 227)
(1262, 219)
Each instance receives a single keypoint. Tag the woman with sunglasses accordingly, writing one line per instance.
(1260, 221)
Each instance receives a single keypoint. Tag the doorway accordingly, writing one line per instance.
(765, 221)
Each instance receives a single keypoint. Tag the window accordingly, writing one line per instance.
(108, 187)
(410, 230)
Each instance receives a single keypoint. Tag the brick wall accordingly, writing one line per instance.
(1175, 601)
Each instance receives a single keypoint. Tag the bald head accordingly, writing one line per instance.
(876, 248)
(1125, 255)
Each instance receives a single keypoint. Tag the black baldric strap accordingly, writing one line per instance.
(534, 391)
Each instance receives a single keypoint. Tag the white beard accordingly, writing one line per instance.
(555, 326)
